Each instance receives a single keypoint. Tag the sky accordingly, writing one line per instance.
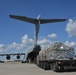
(17, 36)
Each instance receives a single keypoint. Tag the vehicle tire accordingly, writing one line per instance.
(40, 64)
(54, 67)
(50, 66)
(45, 66)
(59, 68)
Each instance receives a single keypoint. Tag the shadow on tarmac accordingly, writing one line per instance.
(68, 70)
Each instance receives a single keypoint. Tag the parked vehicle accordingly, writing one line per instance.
(57, 57)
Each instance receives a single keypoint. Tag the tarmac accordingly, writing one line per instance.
(28, 69)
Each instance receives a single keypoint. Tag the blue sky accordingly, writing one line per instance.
(17, 36)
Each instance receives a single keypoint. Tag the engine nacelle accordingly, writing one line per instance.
(18, 56)
(8, 57)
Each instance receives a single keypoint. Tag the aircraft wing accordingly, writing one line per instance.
(42, 21)
(12, 54)
(22, 18)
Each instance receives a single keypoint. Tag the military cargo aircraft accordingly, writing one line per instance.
(34, 50)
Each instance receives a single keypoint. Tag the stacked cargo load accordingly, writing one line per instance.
(56, 53)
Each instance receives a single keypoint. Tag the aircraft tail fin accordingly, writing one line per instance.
(37, 23)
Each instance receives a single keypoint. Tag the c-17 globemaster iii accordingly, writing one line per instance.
(34, 50)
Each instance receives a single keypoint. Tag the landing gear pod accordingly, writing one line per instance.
(18, 56)
(8, 57)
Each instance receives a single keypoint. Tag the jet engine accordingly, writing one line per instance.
(8, 57)
(18, 56)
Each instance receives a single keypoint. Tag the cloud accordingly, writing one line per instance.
(25, 40)
(70, 44)
(44, 42)
(71, 27)
(52, 35)
(3, 48)
(14, 45)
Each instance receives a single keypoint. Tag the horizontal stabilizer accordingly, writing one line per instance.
(34, 21)
(42, 21)
(22, 18)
